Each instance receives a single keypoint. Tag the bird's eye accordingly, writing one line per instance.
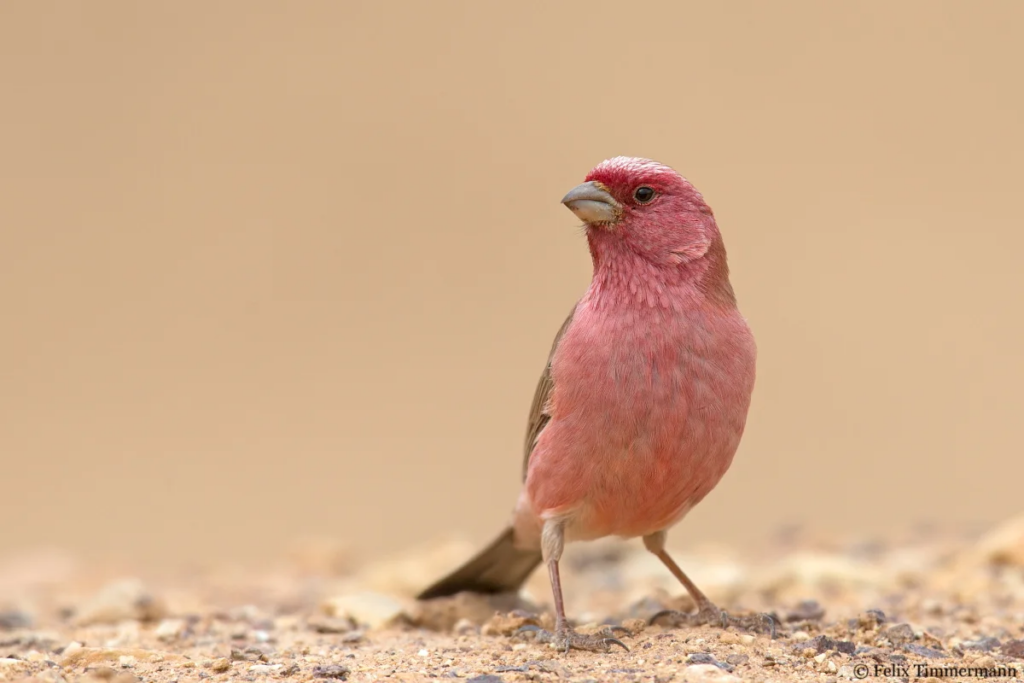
(643, 194)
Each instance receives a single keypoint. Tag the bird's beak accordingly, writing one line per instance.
(592, 203)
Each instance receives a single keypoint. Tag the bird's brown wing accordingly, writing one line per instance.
(539, 415)
(503, 566)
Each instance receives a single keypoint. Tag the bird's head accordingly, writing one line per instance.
(646, 207)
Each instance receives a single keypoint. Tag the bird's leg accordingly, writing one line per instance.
(565, 637)
(707, 612)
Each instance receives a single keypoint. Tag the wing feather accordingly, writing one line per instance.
(539, 415)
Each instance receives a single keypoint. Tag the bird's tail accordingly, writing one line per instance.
(500, 567)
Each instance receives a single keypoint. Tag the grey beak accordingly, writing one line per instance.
(592, 203)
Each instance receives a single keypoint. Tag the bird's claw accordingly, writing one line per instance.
(712, 616)
(566, 639)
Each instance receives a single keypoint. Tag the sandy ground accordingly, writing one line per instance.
(935, 606)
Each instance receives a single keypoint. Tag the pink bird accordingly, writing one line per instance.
(644, 398)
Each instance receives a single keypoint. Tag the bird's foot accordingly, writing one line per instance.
(709, 615)
(565, 638)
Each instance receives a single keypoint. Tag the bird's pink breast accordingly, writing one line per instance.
(648, 407)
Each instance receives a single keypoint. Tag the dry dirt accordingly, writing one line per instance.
(951, 602)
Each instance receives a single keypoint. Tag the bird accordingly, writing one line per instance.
(644, 397)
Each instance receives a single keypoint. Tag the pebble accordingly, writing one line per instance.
(331, 671)
(322, 623)
(118, 601)
(170, 629)
(220, 665)
(443, 613)
(899, 634)
(372, 609)
(464, 627)
(1004, 544)
(1013, 648)
(14, 619)
(265, 668)
(986, 644)
(698, 673)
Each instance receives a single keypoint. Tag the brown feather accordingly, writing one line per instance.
(539, 415)
(501, 566)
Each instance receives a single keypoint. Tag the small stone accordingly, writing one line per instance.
(250, 654)
(119, 601)
(322, 623)
(464, 627)
(986, 662)
(871, 619)
(986, 644)
(1013, 648)
(170, 629)
(126, 661)
(737, 659)
(102, 672)
(807, 610)
(922, 651)
(14, 619)
(264, 668)
(485, 678)
(505, 624)
(899, 634)
(372, 609)
(220, 665)
(1004, 545)
(822, 644)
(441, 614)
(331, 671)
(290, 669)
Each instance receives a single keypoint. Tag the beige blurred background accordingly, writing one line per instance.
(274, 270)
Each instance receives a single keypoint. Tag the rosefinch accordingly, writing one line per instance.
(645, 394)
